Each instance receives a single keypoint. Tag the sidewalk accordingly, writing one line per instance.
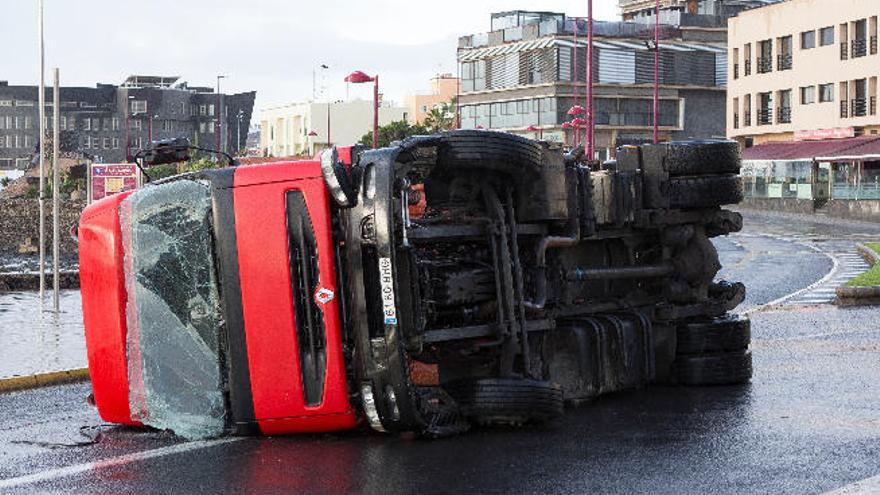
(34, 341)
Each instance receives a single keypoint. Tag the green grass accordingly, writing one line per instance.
(872, 276)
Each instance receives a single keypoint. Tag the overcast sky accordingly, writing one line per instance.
(270, 46)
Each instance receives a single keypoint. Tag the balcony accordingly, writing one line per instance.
(873, 105)
(747, 119)
(736, 121)
(844, 51)
(783, 61)
(859, 48)
(873, 45)
(844, 109)
(748, 67)
(859, 107)
(765, 116)
(783, 115)
(765, 65)
(736, 71)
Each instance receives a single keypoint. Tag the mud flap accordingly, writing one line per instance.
(591, 356)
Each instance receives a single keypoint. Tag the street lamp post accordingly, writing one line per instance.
(218, 128)
(358, 77)
(128, 128)
(238, 134)
(539, 133)
(591, 119)
(657, 72)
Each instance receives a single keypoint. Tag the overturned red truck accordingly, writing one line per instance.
(469, 277)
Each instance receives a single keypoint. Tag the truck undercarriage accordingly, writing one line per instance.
(491, 279)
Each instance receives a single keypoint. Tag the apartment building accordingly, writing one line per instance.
(670, 10)
(527, 74)
(444, 88)
(110, 122)
(308, 127)
(804, 70)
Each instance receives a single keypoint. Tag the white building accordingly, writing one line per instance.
(285, 129)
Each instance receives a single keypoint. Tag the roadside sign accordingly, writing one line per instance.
(107, 179)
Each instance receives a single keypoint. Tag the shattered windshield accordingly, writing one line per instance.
(173, 310)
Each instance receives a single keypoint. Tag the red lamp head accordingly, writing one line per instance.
(478, 126)
(576, 110)
(578, 122)
(358, 77)
(532, 128)
(313, 133)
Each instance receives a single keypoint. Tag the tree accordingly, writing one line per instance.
(395, 131)
(441, 117)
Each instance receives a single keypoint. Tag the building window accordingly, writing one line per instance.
(202, 127)
(17, 122)
(765, 56)
(203, 109)
(211, 109)
(137, 125)
(783, 111)
(5, 103)
(826, 93)
(85, 143)
(808, 95)
(106, 143)
(808, 40)
(27, 141)
(27, 123)
(826, 36)
(138, 106)
(24, 103)
(114, 123)
(63, 123)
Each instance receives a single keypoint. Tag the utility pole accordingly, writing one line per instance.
(56, 195)
(42, 115)
(591, 119)
(657, 73)
(219, 127)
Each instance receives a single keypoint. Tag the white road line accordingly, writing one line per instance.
(865, 486)
(63, 472)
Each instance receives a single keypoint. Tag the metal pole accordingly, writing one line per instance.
(42, 116)
(238, 135)
(576, 132)
(657, 73)
(219, 125)
(591, 124)
(376, 112)
(56, 192)
(328, 124)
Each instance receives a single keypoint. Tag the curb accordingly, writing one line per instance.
(43, 380)
(861, 296)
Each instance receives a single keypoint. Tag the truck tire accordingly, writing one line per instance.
(729, 368)
(705, 157)
(726, 334)
(490, 150)
(506, 401)
(705, 191)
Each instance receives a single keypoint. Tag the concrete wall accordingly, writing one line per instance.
(19, 226)
(868, 210)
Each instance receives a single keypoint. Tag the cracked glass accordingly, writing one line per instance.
(173, 311)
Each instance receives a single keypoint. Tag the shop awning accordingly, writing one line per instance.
(865, 147)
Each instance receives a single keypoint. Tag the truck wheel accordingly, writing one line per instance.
(725, 334)
(489, 150)
(705, 157)
(728, 368)
(506, 401)
(705, 191)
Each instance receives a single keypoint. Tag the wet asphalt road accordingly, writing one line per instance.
(808, 422)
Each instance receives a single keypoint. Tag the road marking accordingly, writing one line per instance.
(865, 486)
(63, 472)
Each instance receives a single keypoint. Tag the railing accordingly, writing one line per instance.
(873, 45)
(859, 107)
(844, 109)
(748, 67)
(736, 121)
(783, 115)
(783, 61)
(765, 65)
(844, 51)
(873, 105)
(859, 48)
(747, 119)
(765, 116)
(736, 71)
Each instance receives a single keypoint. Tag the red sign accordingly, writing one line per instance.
(820, 134)
(107, 179)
